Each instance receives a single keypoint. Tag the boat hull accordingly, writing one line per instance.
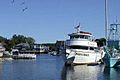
(84, 57)
(24, 56)
(112, 62)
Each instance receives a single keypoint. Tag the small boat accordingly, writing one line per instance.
(16, 54)
(82, 49)
(111, 58)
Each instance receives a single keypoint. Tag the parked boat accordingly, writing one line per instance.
(82, 49)
(112, 51)
(111, 58)
(16, 54)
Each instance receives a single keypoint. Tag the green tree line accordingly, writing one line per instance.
(16, 39)
(101, 42)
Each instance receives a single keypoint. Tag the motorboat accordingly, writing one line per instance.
(16, 54)
(81, 48)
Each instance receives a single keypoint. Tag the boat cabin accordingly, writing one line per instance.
(81, 35)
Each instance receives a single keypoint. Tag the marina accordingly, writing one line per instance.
(34, 43)
(38, 69)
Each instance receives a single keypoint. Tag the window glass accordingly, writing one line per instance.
(91, 48)
(81, 36)
(79, 47)
(77, 36)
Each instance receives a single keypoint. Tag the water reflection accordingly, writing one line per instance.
(111, 73)
(84, 72)
(1, 70)
(47, 67)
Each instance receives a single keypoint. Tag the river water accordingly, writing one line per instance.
(47, 67)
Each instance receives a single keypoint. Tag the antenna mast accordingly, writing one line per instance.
(78, 28)
(106, 22)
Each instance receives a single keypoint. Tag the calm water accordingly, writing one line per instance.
(47, 67)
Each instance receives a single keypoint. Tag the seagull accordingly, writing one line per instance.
(12, 1)
(24, 9)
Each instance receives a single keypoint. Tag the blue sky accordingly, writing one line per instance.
(51, 20)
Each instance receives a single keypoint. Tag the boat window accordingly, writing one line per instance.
(15, 53)
(91, 48)
(86, 37)
(77, 36)
(71, 37)
(74, 37)
(81, 36)
(79, 47)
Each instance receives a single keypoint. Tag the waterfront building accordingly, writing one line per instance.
(40, 48)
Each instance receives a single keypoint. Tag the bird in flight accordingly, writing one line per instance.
(22, 4)
(12, 1)
(24, 9)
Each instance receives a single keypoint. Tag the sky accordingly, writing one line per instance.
(50, 20)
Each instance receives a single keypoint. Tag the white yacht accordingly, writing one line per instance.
(82, 49)
(2, 49)
(16, 54)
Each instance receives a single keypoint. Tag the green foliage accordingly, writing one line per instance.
(30, 40)
(101, 42)
(2, 39)
(16, 39)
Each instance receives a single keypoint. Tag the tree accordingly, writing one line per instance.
(16, 39)
(30, 40)
(2, 39)
(22, 39)
(101, 42)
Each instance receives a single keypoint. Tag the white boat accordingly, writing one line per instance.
(2, 49)
(82, 49)
(16, 54)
